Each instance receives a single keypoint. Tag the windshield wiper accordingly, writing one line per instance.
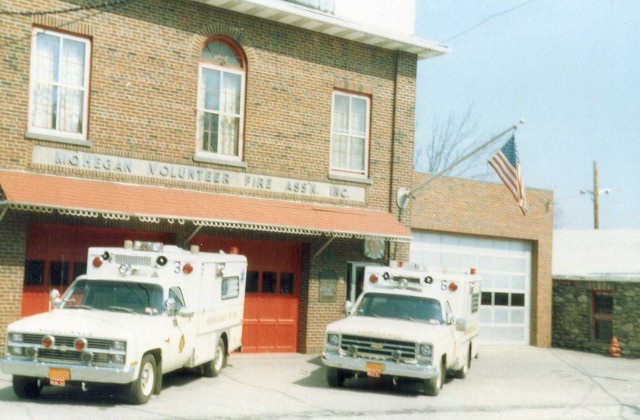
(90, 308)
(121, 309)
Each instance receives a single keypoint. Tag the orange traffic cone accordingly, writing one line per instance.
(614, 348)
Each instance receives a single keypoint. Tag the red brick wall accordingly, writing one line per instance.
(452, 205)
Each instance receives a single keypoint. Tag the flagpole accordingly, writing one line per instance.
(404, 195)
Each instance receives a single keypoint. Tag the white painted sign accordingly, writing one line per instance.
(192, 174)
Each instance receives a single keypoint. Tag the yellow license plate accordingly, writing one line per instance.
(373, 369)
(58, 377)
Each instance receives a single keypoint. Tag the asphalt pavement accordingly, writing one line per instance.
(503, 383)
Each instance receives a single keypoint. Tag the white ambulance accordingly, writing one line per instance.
(407, 323)
(139, 312)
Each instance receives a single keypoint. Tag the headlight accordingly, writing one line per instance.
(333, 339)
(17, 337)
(15, 351)
(117, 358)
(119, 345)
(425, 350)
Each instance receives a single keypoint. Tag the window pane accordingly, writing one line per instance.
(501, 299)
(231, 93)
(58, 271)
(72, 65)
(269, 279)
(358, 116)
(45, 103)
(252, 282)
(230, 287)
(221, 54)
(71, 101)
(604, 330)
(517, 299)
(286, 283)
(357, 154)
(341, 113)
(210, 95)
(34, 272)
(47, 53)
(486, 298)
(339, 151)
(210, 132)
(603, 303)
(230, 128)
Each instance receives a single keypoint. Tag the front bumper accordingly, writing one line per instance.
(78, 373)
(391, 368)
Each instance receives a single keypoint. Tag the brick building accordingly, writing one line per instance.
(270, 126)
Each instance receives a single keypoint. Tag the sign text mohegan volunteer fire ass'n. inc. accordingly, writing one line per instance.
(192, 174)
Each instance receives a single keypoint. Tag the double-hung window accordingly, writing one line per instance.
(220, 101)
(350, 134)
(602, 315)
(59, 85)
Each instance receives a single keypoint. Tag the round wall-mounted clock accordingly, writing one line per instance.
(374, 248)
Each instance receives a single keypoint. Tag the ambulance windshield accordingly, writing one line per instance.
(117, 296)
(412, 308)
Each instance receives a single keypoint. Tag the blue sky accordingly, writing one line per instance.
(569, 68)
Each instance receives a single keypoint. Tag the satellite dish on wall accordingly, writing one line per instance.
(374, 248)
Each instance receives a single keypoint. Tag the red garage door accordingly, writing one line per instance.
(57, 254)
(273, 292)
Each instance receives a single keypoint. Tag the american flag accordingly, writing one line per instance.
(507, 166)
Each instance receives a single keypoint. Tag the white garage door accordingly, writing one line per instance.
(505, 267)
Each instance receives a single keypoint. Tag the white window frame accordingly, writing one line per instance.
(205, 155)
(334, 169)
(56, 134)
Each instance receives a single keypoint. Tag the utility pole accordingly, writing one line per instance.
(595, 196)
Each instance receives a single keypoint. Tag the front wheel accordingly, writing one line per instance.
(335, 377)
(214, 367)
(26, 387)
(141, 389)
(432, 386)
(462, 372)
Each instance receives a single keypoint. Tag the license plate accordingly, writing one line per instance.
(374, 370)
(58, 377)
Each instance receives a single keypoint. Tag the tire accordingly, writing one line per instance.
(26, 387)
(213, 368)
(462, 373)
(141, 389)
(432, 386)
(335, 377)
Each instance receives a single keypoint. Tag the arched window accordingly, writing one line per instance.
(220, 100)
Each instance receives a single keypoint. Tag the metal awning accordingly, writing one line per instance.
(32, 192)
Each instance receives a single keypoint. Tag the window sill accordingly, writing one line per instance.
(58, 139)
(351, 178)
(219, 161)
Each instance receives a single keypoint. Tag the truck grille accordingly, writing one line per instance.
(378, 348)
(63, 350)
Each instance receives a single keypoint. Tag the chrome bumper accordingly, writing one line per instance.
(391, 368)
(78, 373)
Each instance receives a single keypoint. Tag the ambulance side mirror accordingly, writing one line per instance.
(450, 319)
(54, 298)
(461, 324)
(348, 307)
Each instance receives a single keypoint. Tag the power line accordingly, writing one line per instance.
(487, 19)
(91, 6)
